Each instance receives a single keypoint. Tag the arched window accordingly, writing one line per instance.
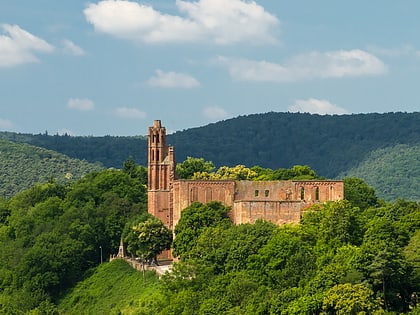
(194, 194)
(208, 193)
(317, 193)
(302, 193)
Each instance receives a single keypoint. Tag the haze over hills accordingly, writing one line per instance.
(332, 145)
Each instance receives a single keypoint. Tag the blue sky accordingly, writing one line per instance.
(112, 67)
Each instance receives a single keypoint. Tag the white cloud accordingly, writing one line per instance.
(18, 46)
(83, 104)
(72, 49)
(131, 113)
(392, 52)
(217, 21)
(314, 65)
(6, 124)
(315, 106)
(172, 80)
(215, 113)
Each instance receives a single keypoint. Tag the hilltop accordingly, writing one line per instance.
(23, 165)
(332, 145)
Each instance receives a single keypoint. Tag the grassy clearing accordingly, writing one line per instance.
(113, 288)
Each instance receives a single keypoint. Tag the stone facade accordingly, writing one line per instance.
(277, 201)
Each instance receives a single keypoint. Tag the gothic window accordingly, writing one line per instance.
(302, 193)
(194, 194)
(208, 194)
(317, 193)
(157, 155)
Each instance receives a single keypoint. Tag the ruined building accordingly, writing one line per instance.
(277, 201)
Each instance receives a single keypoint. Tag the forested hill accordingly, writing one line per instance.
(328, 144)
(23, 165)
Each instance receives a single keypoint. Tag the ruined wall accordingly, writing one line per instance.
(278, 212)
(185, 192)
(312, 191)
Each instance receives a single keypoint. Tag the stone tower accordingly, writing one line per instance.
(161, 173)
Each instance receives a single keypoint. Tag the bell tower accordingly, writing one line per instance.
(161, 173)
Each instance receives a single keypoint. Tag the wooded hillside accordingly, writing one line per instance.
(23, 165)
(333, 146)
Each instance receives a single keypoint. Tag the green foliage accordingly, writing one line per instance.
(52, 234)
(382, 149)
(194, 219)
(23, 165)
(148, 238)
(113, 288)
(394, 171)
(190, 166)
(351, 299)
(359, 193)
(239, 172)
(340, 260)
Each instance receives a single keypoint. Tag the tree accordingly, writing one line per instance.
(194, 219)
(359, 193)
(351, 299)
(190, 166)
(238, 172)
(149, 238)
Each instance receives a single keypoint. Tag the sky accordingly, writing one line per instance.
(111, 67)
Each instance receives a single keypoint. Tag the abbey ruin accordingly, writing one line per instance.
(277, 201)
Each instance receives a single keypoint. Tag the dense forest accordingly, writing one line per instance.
(334, 146)
(393, 171)
(23, 165)
(328, 144)
(356, 256)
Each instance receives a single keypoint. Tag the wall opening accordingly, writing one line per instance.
(194, 194)
(317, 193)
(302, 193)
(267, 192)
(256, 193)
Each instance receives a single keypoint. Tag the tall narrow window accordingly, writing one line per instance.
(266, 192)
(302, 193)
(317, 193)
(256, 193)
(208, 194)
(194, 194)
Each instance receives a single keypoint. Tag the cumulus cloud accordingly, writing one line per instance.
(215, 113)
(72, 49)
(314, 65)
(218, 21)
(172, 80)
(315, 106)
(130, 113)
(82, 104)
(18, 46)
(6, 124)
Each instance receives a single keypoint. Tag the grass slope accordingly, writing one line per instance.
(394, 172)
(114, 288)
(22, 166)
